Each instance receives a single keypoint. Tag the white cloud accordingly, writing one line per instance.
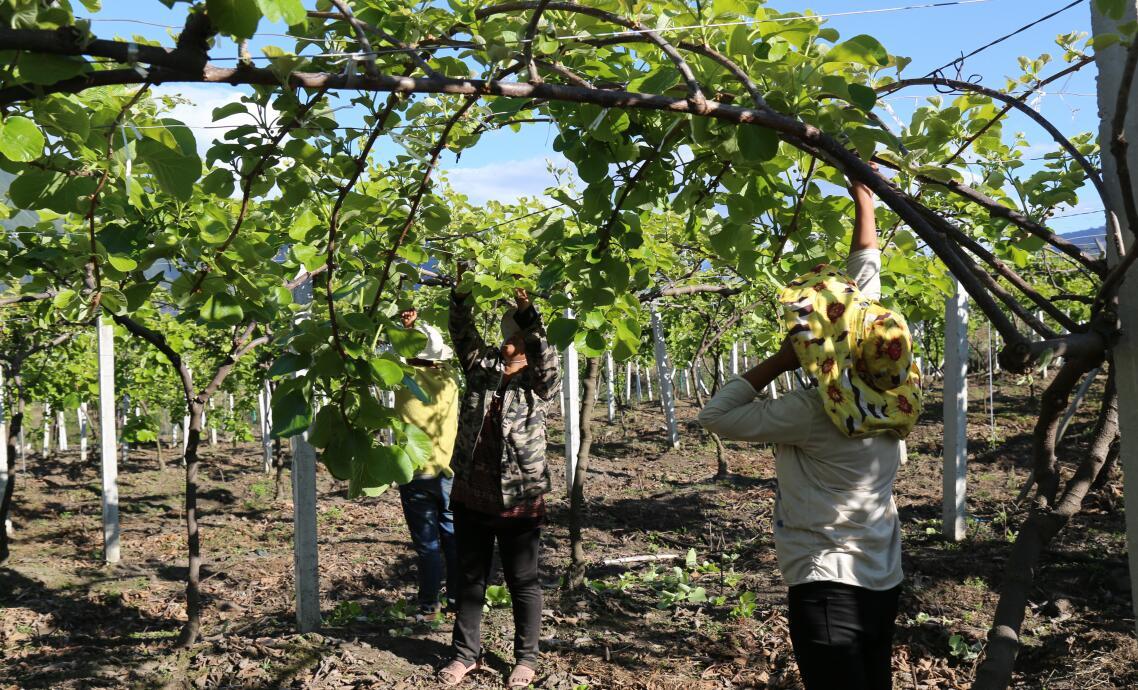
(197, 111)
(505, 181)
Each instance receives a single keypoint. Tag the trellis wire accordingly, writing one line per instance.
(690, 27)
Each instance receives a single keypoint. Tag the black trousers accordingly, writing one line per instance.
(843, 635)
(518, 541)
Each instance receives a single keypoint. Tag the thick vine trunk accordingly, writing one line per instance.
(193, 539)
(576, 575)
(1042, 525)
(278, 462)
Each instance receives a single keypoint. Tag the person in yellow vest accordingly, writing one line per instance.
(426, 498)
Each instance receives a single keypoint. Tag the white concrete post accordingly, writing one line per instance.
(719, 377)
(735, 359)
(61, 429)
(664, 371)
(1111, 59)
(991, 385)
(264, 416)
(648, 381)
(3, 446)
(571, 401)
(81, 415)
(610, 388)
(687, 382)
(108, 458)
(955, 413)
(772, 391)
(746, 360)
(46, 429)
(306, 554)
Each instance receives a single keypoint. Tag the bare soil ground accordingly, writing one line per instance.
(67, 621)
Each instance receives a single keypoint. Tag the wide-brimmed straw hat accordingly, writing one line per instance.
(860, 353)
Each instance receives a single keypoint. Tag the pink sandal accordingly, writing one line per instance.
(455, 671)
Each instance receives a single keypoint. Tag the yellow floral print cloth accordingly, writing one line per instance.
(859, 352)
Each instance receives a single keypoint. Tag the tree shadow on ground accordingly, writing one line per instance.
(84, 638)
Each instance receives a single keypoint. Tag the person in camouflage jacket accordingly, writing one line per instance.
(500, 477)
(525, 474)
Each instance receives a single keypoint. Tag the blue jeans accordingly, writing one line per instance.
(426, 507)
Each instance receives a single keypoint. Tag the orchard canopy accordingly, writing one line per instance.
(709, 144)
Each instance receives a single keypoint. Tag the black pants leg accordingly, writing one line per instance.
(843, 635)
(519, 544)
(475, 545)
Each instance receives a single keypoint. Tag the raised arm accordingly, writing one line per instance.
(736, 413)
(468, 343)
(865, 221)
(541, 355)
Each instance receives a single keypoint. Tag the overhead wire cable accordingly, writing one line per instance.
(958, 63)
(518, 42)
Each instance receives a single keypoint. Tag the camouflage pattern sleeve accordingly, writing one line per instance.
(542, 356)
(468, 342)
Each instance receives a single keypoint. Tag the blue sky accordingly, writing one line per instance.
(505, 163)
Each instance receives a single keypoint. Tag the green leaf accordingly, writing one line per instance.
(757, 143)
(20, 140)
(419, 446)
(863, 96)
(326, 426)
(49, 69)
(222, 307)
(408, 342)
(229, 110)
(862, 49)
(561, 331)
(291, 415)
(288, 363)
(124, 264)
(291, 11)
(238, 18)
(387, 464)
(175, 171)
(387, 371)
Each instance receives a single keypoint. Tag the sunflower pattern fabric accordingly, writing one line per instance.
(859, 353)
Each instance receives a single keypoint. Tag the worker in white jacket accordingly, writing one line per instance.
(837, 450)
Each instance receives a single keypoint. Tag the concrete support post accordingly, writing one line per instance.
(265, 416)
(108, 457)
(571, 402)
(46, 421)
(735, 359)
(306, 554)
(1111, 59)
(3, 445)
(955, 413)
(664, 372)
(61, 430)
